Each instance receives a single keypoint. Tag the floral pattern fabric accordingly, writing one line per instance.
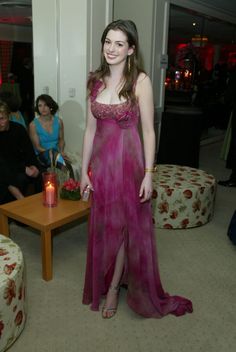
(12, 292)
(182, 197)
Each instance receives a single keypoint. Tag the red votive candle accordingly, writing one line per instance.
(49, 189)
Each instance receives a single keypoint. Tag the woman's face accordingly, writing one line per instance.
(4, 121)
(116, 47)
(43, 108)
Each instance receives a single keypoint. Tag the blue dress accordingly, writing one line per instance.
(48, 140)
(18, 117)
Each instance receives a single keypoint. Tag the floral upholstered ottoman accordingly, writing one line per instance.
(183, 197)
(12, 292)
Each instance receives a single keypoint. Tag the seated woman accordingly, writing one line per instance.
(13, 104)
(18, 163)
(47, 133)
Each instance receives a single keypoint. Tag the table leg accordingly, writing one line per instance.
(46, 241)
(4, 227)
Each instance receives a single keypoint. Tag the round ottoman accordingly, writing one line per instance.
(12, 292)
(182, 197)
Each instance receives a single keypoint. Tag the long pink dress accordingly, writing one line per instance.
(117, 216)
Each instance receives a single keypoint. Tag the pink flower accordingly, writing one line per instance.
(169, 191)
(174, 214)
(188, 194)
(8, 268)
(19, 318)
(1, 327)
(10, 291)
(168, 226)
(3, 251)
(163, 207)
(184, 223)
(71, 185)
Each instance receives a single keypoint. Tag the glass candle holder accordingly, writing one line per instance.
(50, 190)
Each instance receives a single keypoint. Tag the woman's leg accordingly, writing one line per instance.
(111, 302)
(119, 266)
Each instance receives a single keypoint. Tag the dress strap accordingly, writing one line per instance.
(97, 85)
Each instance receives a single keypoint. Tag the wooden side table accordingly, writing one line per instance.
(30, 211)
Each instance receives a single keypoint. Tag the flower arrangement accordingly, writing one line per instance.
(70, 190)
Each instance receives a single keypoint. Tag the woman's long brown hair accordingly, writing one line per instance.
(131, 71)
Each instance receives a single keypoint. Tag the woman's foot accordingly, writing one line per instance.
(110, 307)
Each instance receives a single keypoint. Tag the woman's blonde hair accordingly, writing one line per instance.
(4, 108)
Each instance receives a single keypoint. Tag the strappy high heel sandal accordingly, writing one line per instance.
(109, 312)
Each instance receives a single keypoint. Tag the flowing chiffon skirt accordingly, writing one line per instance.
(117, 216)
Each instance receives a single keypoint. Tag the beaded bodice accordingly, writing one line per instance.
(124, 113)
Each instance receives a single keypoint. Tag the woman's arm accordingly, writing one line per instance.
(34, 138)
(15, 192)
(145, 98)
(61, 140)
(87, 149)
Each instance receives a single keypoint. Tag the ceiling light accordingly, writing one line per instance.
(199, 40)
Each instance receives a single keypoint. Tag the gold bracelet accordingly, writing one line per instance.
(151, 169)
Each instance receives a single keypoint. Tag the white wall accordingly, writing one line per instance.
(141, 12)
(66, 48)
(45, 48)
(100, 14)
(73, 69)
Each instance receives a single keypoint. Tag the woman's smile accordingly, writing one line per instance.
(116, 47)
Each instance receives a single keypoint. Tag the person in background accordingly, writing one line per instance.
(25, 78)
(18, 163)
(230, 100)
(13, 103)
(47, 133)
(121, 244)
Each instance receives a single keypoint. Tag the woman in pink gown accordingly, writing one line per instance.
(121, 244)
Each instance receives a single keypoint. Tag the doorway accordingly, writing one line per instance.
(16, 54)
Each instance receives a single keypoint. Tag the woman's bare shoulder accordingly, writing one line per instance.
(143, 77)
(143, 83)
(32, 124)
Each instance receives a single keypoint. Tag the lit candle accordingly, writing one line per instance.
(50, 194)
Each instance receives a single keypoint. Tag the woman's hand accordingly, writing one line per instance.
(145, 192)
(31, 171)
(63, 154)
(84, 183)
